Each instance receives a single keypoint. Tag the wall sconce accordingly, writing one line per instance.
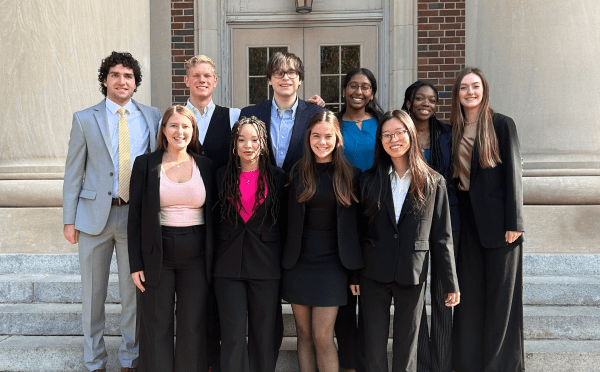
(304, 6)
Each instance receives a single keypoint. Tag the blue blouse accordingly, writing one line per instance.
(359, 145)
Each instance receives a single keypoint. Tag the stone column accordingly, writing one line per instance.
(541, 60)
(51, 52)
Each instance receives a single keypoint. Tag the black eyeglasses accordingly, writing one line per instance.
(292, 74)
(387, 137)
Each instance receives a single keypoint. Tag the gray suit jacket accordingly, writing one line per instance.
(88, 184)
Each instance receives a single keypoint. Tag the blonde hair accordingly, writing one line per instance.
(201, 58)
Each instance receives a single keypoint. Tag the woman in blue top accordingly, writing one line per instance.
(359, 118)
(435, 139)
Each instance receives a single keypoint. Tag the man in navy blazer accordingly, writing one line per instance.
(95, 208)
(286, 115)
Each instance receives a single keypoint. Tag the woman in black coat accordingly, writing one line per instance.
(322, 241)
(169, 235)
(407, 216)
(488, 325)
(248, 249)
(435, 139)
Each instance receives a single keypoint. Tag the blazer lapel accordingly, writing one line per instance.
(298, 131)
(474, 160)
(154, 171)
(406, 206)
(102, 121)
(389, 202)
(266, 113)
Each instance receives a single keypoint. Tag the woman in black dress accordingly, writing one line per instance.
(435, 139)
(248, 252)
(488, 325)
(322, 241)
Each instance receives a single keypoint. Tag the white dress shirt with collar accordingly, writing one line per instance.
(203, 119)
(400, 186)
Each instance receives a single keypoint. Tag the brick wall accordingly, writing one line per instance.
(441, 47)
(182, 45)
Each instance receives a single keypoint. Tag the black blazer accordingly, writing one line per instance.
(399, 251)
(347, 228)
(304, 113)
(250, 250)
(497, 193)
(144, 232)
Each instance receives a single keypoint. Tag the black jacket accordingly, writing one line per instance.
(144, 234)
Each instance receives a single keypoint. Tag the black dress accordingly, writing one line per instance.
(318, 278)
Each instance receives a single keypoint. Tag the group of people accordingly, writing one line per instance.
(217, 215)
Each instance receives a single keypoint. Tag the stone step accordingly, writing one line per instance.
(65, 354)
(540, 322)
(66, 288)
(533, 264)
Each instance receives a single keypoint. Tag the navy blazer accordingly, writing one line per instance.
(144, 233)
(497, 193)
(252, 249)
(347, 228)
(304, 113)
(399, 250)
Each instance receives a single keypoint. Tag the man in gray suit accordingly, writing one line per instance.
(105, 140)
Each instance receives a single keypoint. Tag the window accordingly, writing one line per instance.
(259, 89)
(336, 62)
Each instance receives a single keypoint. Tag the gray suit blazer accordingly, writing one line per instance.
(88, 184)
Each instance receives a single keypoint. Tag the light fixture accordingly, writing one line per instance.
(304, 6)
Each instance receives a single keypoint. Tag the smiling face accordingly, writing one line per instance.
(248, 144)
(120, 84)
(323, 141)
(470, 92)
(424, 104)
(356, 97)
(201, 80)
(398, 144)
(285, 87)
(178, 131)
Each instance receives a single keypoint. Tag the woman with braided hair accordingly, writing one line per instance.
(248, 249)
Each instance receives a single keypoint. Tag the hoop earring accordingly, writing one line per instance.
(233, 151)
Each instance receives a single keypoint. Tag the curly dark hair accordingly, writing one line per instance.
(119, 58)
(231, 196)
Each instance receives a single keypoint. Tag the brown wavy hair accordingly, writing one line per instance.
(306, 167)
(423, 181)
(181, 110)
(230, 195)
(487, 142)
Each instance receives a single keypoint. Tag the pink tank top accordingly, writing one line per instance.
(181, 204)
(248, 186)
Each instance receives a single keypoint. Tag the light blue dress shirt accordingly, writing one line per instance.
(139, 135)
(400, 186)
(282, 124)
(203, 119)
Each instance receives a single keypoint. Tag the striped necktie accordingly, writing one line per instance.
(124, 157)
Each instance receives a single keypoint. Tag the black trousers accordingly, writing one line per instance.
(375, 300)
(213, 329)
(251, 302)
(434, 351)
(183, 275)
(488, 322)
(350, 336)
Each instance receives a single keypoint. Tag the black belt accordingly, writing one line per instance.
(117, 202)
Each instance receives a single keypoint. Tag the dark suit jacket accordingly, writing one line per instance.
(497, 193)
(399, 251)
(144, 232)
(250, 250)
(347, 228)
(304, 113)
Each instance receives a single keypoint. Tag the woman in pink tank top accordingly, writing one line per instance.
(170, 246)
(247, 255)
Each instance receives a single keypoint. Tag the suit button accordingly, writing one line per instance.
(202, 152)
(395, 236)
(109, 193)
(111, 173)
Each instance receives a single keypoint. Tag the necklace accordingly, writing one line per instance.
(471, 122)
(178, 165)
(252, 174)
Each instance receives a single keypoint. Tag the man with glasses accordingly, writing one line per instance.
(286, 115)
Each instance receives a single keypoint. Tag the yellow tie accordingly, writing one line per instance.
(124, 162)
